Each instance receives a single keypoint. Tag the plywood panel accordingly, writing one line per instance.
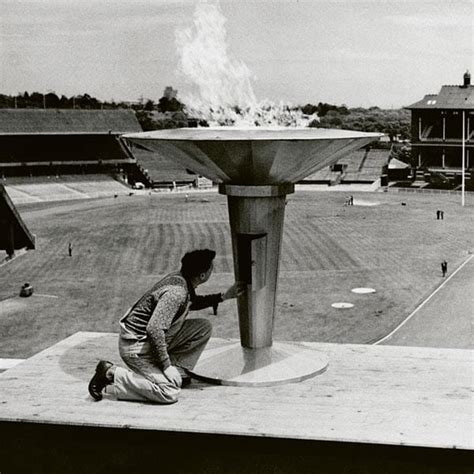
(369, 394)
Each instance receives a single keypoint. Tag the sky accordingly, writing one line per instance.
(386, 53)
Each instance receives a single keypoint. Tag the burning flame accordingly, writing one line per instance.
(221, 81)
(223, 93)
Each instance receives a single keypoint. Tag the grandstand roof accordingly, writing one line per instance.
(15, 235)
(65, 121)
(449, 97)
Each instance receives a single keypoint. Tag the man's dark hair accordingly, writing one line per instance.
(196, 262)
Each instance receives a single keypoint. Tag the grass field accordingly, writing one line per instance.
(121, 246)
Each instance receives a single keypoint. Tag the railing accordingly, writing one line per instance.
(429, 191)
(446, 140)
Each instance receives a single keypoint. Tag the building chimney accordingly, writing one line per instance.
(467, 79)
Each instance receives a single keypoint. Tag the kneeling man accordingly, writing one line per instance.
(157, 341)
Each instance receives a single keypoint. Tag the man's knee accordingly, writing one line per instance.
(205, 328)
(165, 393)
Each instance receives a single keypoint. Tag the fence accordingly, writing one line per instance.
(430, 191)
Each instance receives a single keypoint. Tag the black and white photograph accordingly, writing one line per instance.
(237, 236)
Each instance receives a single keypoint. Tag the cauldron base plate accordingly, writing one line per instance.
(232, 364)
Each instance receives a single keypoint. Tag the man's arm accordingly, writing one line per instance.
(205, 301)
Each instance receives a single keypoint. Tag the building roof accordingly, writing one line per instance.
(53, 121)
(449, 97)
(9, 216)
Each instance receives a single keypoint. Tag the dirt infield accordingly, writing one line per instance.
(122, 245)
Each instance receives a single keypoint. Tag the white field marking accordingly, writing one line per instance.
(342, 305)
(422, 303)
(363, 291)
(45, 296)
(358, 202)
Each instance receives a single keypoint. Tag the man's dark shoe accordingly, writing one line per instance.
(99, 381)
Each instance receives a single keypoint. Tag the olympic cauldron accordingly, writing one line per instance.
(255, 168)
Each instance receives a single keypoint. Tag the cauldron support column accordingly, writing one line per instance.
(256, 215)
(256, 218)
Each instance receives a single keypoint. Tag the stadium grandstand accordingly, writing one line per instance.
(15, 235)
(163, 172)
(56, 142)
(364, 166)
(64, 188)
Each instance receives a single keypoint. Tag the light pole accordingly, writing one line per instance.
(463, 160)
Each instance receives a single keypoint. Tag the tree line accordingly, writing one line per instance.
(169, 112)
(393, 122)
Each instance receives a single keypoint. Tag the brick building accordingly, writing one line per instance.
(437, 123)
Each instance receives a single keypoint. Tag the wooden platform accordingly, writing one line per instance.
(372, 396)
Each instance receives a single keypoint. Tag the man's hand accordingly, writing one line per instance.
(237, 289)
(173, 375)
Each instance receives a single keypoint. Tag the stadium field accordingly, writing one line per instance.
(121, 246)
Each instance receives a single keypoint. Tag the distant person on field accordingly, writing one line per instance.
(444, 267)
(69, 249)
(157, 341)
(441, 214)
(438, 214)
